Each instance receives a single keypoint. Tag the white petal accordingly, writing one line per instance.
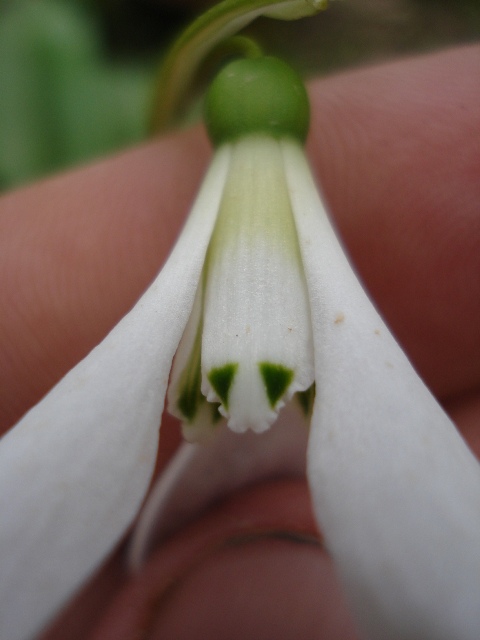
(74, 470)
(184, 396)
(200, 419)
(256, 312)
(395, 488)
(200, 475)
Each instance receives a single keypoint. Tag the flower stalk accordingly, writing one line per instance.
(216, 25)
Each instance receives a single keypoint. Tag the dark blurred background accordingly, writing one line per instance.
(76, 76)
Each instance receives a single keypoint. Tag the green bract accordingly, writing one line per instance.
(257, 95)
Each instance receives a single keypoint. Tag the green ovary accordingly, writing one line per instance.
(257, 95)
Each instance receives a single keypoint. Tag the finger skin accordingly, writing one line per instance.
(395, 150)
(77, 251)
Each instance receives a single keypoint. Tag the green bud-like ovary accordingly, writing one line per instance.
(257, 95)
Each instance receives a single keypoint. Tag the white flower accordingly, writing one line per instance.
(395, 489)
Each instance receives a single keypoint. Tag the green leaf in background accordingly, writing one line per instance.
(61, 101)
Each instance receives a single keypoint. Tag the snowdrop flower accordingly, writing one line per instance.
(260, 301)
(248, 345)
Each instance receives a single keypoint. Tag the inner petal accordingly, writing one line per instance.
(200, 419)
(257, 341)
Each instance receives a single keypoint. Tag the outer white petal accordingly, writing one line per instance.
(74, 470)
(395, 488)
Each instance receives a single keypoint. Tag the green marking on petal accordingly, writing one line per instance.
(277, 378)
(306, 399)
(190, 395)
(221, 379)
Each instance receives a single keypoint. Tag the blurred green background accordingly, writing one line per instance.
(76, 76)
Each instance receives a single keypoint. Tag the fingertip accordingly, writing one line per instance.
(77, 250)
(397, 155)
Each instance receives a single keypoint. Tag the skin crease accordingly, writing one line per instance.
(396, 151)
